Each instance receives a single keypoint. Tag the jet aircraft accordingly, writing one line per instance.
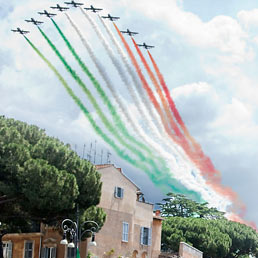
(111, 18)
(20, 31)
(145, 46)
(49, 15)
(34, 21)
(130, 33)
(93, 9)
(74, 3)
(59, 8)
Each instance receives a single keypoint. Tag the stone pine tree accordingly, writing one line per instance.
(206, 229)
(42, 180)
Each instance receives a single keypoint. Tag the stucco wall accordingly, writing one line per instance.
(18, 242)
(128, 209)
(187, 251)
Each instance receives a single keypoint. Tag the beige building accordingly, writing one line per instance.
(131, 229)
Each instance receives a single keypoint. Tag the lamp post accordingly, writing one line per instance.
(73, 233)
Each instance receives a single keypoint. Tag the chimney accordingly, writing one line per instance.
(157, 213)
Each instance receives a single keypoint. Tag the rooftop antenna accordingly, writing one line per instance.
(83, 151)
(95, 152)
(108, 157)
(89, 154)
(101, 156)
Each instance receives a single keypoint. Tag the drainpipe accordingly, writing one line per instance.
(40, 244)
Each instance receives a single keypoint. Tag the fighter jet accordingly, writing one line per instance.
(111, 18)
(130, 33)
(49, 15)
(145, 46)
(34, 21)
(74, 3)
(20, 31)
(59, 8)
(93, 9)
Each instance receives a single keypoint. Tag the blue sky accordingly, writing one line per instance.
(207, 9)
(206, 50)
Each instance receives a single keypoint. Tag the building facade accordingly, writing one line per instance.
(131, 229)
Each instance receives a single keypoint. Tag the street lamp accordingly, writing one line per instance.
(74, 232)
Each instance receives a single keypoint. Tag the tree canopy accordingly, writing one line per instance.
(206, 229)
(42, 179)
(179, 205)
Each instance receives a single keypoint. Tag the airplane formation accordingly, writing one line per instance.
(78, 4)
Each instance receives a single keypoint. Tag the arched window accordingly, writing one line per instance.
(135, 254)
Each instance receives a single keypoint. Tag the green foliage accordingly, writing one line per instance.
(41, 179)
(180, 206)
(206, 229)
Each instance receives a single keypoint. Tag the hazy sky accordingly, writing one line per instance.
(206, 50)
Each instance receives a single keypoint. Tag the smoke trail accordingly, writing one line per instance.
(116, 63)
(186, 159)
(170, 100)
(179, 188)
(101, 92)
(150, 115)
(155, 174)
(122, 74)
(146, 86)
(162, 179)
(107, 80)
(212, 176)
(160, 150)
(169, 145)
(160, 93)
(155, 128)
(141, 76)
(89, 117)
(94, 103)
(148, 140)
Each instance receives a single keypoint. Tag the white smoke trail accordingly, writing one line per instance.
(177, 160)
(182, 168)
(124, 78)
(107, 80)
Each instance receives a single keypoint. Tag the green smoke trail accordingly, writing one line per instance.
(102, 93)
(96, 106)
(166, 183)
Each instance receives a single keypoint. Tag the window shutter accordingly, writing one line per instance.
(115, 191)
(142, 234)
(10, 249)
(122, 192)
(43, 252)
(53, 252)
(149, 236)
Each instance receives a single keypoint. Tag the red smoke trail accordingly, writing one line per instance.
(162, 98)
(211, 175)
(171, 103)
(144, 82)
(236, 218)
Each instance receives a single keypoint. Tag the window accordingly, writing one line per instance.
(145, 236)
(71, 252)
(48, 252)
(125, 232)
(28, 250)
(7, 249)
(119, 192)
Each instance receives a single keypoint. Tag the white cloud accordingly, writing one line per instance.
(222, 32)
(248, 18)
